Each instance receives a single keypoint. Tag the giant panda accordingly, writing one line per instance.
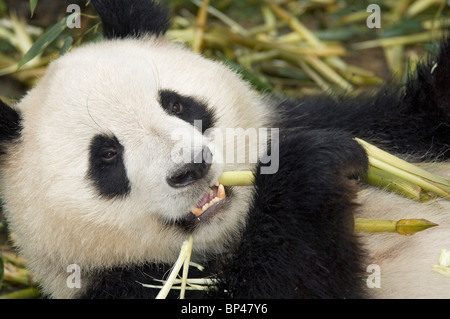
(89, 175)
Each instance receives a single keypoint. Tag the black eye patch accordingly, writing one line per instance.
(186, 108)
(106, 167)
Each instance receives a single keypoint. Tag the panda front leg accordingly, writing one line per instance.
(299, 240)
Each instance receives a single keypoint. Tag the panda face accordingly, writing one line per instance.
(97, 159)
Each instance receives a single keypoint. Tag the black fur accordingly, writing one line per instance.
(189, 109)
(10, 125)
(131, 18)
(106, 167)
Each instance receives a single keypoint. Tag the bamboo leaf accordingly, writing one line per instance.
(66, 45)
(46, 39)
(33, 4)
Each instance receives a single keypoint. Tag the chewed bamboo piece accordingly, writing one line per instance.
(444, 263)
(183, 260)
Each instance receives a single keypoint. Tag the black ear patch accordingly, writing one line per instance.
(106, 167)
(10, 124)
(131, 18)
(187, 108)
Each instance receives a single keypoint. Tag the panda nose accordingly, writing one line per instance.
(191, 172)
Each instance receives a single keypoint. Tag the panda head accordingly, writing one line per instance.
(93, 159)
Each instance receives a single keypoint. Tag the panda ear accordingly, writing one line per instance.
(10, 124)
(131, 18)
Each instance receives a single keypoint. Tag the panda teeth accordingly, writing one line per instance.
(197, 211)
(221, 192)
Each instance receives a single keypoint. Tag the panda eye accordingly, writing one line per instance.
(109, 156)
(176, 108)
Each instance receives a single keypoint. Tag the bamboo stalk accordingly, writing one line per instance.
(406, 171)
(14, 258)
(402, 226)
(225, 19)
(312, 40)
(419, 6)
(328, 72)
(296, 25)
(409, 177)
(382, 179)
(200, 27)
(237, 178)
(314, 76)
(373, 225)
(16, 275)
(400, 40)
(378, 153)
